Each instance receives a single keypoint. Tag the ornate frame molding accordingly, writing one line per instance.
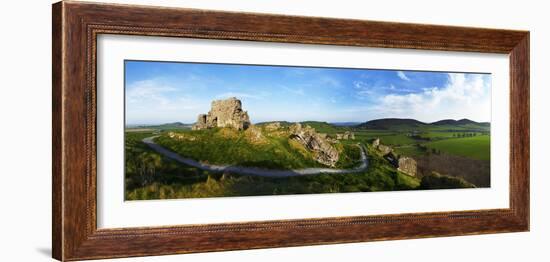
(76, 26)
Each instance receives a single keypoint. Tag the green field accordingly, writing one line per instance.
(477, 147)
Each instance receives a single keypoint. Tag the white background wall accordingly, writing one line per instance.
(25, 147)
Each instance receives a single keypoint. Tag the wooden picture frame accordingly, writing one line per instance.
(76, 26)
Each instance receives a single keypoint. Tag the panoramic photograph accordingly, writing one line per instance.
(200, 130)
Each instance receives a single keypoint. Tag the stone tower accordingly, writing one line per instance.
(224, 113)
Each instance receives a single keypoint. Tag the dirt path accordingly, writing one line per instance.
(254, 170)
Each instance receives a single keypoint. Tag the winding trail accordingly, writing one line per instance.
(254, 170)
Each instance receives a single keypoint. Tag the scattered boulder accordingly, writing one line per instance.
(254, 135)
(323, 150)
(273, 126)
(181, 136)
(346, 136)
(224, 113)
(407, 165)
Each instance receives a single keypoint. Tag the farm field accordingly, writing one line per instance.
(477, 147)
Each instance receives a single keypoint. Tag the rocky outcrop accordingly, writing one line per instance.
(324, 152)
(224, 113)
(346, 136)
(254, 135)
(384, 149)
(407, 165)
(376, 142)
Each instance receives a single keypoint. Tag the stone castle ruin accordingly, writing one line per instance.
(224, 113)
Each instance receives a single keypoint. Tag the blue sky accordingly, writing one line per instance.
(162, 92)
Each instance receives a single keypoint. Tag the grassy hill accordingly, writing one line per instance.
(231, 147)
(392, 124)
(453, 122)
(324, 127)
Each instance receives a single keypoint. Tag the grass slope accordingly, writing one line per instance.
(231, 147)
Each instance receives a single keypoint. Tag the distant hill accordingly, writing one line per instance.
(454, 122)
(345, 123)
(392, 123)
(412, 124)
(323, 127)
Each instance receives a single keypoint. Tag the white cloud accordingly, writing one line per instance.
(464, 96)
(363, 90)
(141, 91)
(157, 101)
(402, 75)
